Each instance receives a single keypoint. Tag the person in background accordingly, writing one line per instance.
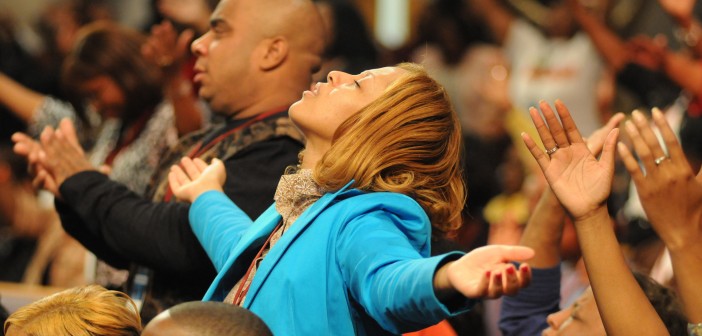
(351, 47)
(549, 60)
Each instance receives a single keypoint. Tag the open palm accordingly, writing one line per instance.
(580, 181)
(486, 272)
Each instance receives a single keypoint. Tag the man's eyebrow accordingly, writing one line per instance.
(217, 22)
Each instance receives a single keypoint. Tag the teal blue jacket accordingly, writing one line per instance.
(353, 263)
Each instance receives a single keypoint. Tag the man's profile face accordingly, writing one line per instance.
(224, 66)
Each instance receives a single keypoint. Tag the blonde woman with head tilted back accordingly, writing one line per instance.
(345, 248)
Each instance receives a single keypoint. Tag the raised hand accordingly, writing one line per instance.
(31, 149)
(165, 47)
(61, 156)
(196, 177)
(648, 52)
(580, 182)
(191, 13)
(486, 272)
(669, 191)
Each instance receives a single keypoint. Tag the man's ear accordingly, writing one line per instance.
(273, 52)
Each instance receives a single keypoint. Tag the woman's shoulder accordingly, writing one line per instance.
(356, 210)
(357, 202)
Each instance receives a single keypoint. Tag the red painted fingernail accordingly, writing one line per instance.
(510, 271)
(498, 276)
(487, 274)
(525, 268)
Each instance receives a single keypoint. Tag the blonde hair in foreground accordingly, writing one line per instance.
(88, 310)
(407, 141)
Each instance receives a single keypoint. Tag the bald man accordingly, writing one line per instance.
(252, 64)
(206, 319)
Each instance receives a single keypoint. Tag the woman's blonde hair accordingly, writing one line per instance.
(406, 141)
(88, 310)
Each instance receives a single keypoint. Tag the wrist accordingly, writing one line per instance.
(197, 192)
(596, 215)
(442, 285)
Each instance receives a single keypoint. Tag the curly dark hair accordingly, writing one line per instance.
(666, 303)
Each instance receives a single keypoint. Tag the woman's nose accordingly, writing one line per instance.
(337, 77)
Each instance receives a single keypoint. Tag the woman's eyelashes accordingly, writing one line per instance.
(357, 85)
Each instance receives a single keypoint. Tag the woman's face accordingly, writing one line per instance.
(582, 318)
(326, 105)
(105, 96)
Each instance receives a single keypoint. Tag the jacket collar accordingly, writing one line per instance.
(281, 247)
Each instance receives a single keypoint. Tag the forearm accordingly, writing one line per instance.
(497, 18)
(154, 234)
(22, 101)
(614, 286)
(687, 266)
(544, 231)
(188, 116)
(608, 44)
(218, 225)
(685, 71)
(73, 225)
(691, 31)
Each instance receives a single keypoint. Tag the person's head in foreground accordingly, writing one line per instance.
(206, 319)
(583, 318)
(89, 310)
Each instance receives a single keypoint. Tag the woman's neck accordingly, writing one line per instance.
(311, 156)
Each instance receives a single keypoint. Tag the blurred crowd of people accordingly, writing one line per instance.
(91, 125)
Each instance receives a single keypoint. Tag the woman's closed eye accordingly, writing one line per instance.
(357, 85)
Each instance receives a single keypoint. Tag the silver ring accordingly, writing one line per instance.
(658, 160)
(552, 150)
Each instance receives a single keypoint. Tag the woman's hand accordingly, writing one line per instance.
(580, 182)
(485, 273)
(669, 191)
(196, 177)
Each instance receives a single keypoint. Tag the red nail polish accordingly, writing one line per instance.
(525, 269)
(498, 277)
(487, 274)
(510, 271)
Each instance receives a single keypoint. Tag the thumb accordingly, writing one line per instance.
(69, 131)
(219, 168)
(517, 253)
(105, 169)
